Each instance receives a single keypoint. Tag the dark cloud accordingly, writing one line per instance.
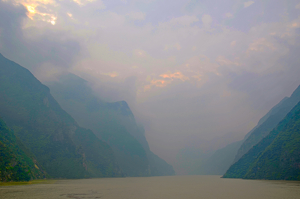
(10, 27)
(31, 49)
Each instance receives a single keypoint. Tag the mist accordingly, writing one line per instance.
(192, 72)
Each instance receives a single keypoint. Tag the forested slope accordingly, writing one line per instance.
(60, 145)
(268, 122)
(16, 164)
(275, 157)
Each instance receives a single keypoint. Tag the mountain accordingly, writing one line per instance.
(268, 122)
(219, 162)
(60, 145)
(16, 163)
(275, 157)
(111, 122)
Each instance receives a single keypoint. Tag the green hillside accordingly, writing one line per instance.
(275, 157)
(64, 149)
(268, 122)
(15, 163)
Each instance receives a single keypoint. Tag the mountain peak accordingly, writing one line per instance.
(296, 92)
(70, 77)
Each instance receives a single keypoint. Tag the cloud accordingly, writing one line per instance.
(183, 20)
(99, 4)
(70, 15)
(248, 3)
(48, 72)
(233, 43)
(156, 83)
(47, 10)
(206, 20)
(224, 61)
(261, 45)
(159, 82)
(111, 74)
(11, 36)
(201, 65)
(40, 9)
(179, 78)
(228, 15)
(167, 79)
(139, 16)
(143, 1)
(31, 47)
(176, 75)
(175, 46)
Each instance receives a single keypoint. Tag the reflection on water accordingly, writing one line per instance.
(173, 187)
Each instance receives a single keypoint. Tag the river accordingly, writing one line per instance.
(171, 187)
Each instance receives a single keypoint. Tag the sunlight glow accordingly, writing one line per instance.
(83, 2)
(111, 74)
(177, 75)
(157, 83)
(34, 14)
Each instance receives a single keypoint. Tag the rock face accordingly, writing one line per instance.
(60, 145)
(112, 122)
(275, 157)
(268, 122)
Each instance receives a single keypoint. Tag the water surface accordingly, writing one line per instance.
(173, 187)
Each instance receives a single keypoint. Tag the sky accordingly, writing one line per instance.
(192, 71)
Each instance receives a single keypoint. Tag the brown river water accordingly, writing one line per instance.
(173, 187)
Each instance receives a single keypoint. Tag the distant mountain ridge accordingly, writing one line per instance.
(60, 145)
(220, 161)
(210, 157)
(111, 122)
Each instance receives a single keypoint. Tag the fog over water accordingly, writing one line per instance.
(195, 73)
(175, 187)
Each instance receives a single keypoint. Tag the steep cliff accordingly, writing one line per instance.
(268, 122)
(275, 157)
(111, 122)
(60, 145)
